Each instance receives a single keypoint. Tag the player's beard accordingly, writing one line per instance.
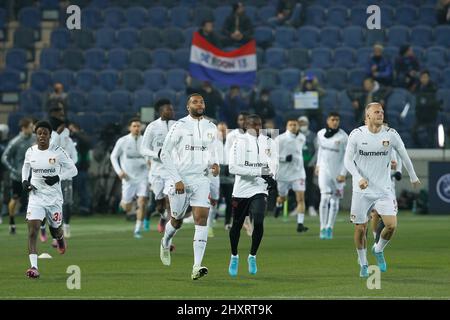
(197, 112)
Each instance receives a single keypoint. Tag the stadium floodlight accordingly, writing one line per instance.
(441, 136)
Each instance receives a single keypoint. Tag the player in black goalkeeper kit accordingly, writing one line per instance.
(253, 159)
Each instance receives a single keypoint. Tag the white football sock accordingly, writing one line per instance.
(137, 227)
(382, 243)
(323, 210)
(362, 257)
(333, 211)
(211, 216)
(169, 233)
(200, 238)
(300, 217)
(33, 260)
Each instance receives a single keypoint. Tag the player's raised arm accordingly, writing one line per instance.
(68, 168)
(115, 155)
(399, 146)
(349, 164)
(237, 160)
(146, 146)
(170, 143)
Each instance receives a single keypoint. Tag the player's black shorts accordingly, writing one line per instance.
(254, 207)
(17, 189)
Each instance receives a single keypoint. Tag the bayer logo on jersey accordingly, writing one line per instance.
(443, 188)
(385, 143)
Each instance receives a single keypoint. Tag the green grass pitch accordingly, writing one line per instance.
(114, 265)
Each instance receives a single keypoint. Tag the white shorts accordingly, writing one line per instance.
(53, 213)
(284, 186)
(363, 203)
(159, 186)
(132, 189)
(214, 187)
(329, 185)
(196, 195)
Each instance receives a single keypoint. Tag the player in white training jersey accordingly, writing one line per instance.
(132, 169)
(291, 174)
(367, 158)
(48, 166)
(187, 156)
(152, 142)
(331, 171)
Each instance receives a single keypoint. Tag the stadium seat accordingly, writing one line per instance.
(318, 73)
(76, 101)
(162, 58)
(83, 39)
(30, 100)
(329, 101)
(180, 16)
(142, 98)
(140, 58)
(353, 37)
(220, 14)
(154, 79)
(158, 16)
(65, 77)
(444, 96)
(132, 79)
(181, 58)
(128, 38)
(266, 12)
(315, 16)
(285, 37)
(24, 38)
(391, 52)
(337, 78)
(267, 78)
(298, 58)
(13, 121)
(387, 15)
(289, 78)
(445, 78)
(41, 80)
(375, 36)
(356, 77)
(427, 15)
(176, 79)
(3, 20)
(337, 16)
(108, 79)
(91, 18)
(114, 17)
(362, 56)
(344, 57)
(253, 13)
(422, 36)
(165, 94)
(151, 38)
(308, 37)
(107, 118)
(95, 59)
(330, 37)
(442, 34)
(436, 57)
(188, 34)
(398, 35)
(105, 38)
(281, 99)
(72, 59)
(137, 17)
(406, 15)
(118, 59)
(97, 100)
(259, 56)
(16, 59)
(120, 100)
(30, 17)
(86, 79)
(435, 75)
(275, 58)
(88, 122)
(263, 36)
(358, 15)
(173, 38)
(60, 38)
(321, 58)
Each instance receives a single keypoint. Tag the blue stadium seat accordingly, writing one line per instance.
(83, 39)
(267, 78)
(95, 59)
(154, 79)
(142, 98)
(107, 118)
(353, 36)
(315, 16)
(419, 52)
(329, 101)
(137, 17)
(422, 36)
(176, 79)
(72, 59)
(151, 38)
(375, 36)
(444, 96)
(132, 79)
(281, 99)
(158, 16)
(188, 34)
(253, 13)
(16, 59)
(358, 15)
(181, 58)
(76, 101)
(30, 17)
(406, 15)
(99, 4)
(118, 59)
(289, 78)
(263, 36)
(275, 58)
(65, 77)
(220, 14)
(398, 35)
(86, 79)
(173, 37)
(436, 57)
(30, 100)
(140, 58)
(180, 16)
(435, 75)
(446, 78)
(60, 38)
(308, 37)
(108, 79)
(13, 121)
(318, 73)
(24, 38)
(162, 58)
(259, 56)
(128, 38)
(391, 52)
(3, 20)
(41, 80)
(387, 15)
(120, 100)
(91, 18)
(442, 34)
(362, 56)
(427, 15)
(105, 38)
(88, 122)
(114, 17)
(356, 77)
(330, 37)
(165, 94)
(266, 12)
(97, 100)
(298, 58)
(285, 37)
(337, 78)
(344, 57)
(337, 16)
(321, 58)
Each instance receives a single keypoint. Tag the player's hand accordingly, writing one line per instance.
(51, 180)
(271, 183)
(212, 202)
(27, 186)
(289, 158)
(179, 187)
(416, 184)
(393, 165)
(397, 176)
(340, 179)
(316, 170)
(215, 169)
(123, 175)
(363, 183)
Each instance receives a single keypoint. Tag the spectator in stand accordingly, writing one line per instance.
(443, 11)
(263, 107)
(290, 13)
(237, 28)
(310, 83)
(212, 97)
(427, 109)
(207, 32)
(57, 97)
(233, 105)
(379, 67)
(407, 68)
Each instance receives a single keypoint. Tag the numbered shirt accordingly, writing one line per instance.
(51, 162)
(330, 157)
(290, 144)
(126, 156)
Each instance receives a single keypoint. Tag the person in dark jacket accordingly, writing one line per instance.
(407, 68)
(237, 28)
(379, 67)
(207, 32)
(263, 107)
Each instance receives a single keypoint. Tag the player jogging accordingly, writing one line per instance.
(367, 158)
(48, 166)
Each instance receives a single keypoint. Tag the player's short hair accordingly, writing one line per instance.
(291, 119)
(42, 124)
(369, 105)
(333, 114)
(134, 119)
(195, 94)
(25, 122)
(253, 117)
(162, 102)
(244, 114)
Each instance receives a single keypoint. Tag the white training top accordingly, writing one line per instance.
(126, 156)
(291, 144)
(368, 156)
(51, 162)
(330, 157)
(231, 137)
(152, 142)
(64, 140)
(248, 156)
(188, 149)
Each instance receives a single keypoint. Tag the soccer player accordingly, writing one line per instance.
(152, 142)
(367, 158)
(13, 158)
(187, 155)
(131, 167)
(331, 171)
(254, 161)
(48, 164)
(291, 173)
